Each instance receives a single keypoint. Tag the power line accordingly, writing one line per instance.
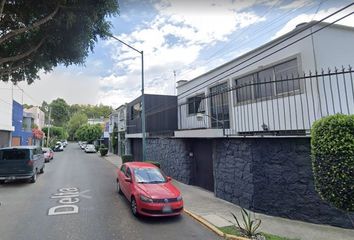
(258, 30)
(296, 32)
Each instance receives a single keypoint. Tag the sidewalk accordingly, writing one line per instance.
(217, 211)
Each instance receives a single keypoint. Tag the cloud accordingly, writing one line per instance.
(349, 21)
(174, 39)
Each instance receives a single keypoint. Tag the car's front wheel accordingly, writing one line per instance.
(134, 207)
(119, 190)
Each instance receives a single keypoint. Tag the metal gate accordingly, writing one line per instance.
(136, 149)
(202, 167)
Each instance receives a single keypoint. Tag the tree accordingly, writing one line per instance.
(75, 122)
(332, 146)
(60, 112)
(40, 34)
(56, 132)
(89, 133)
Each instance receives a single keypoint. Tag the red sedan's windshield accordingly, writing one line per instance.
(149, 175)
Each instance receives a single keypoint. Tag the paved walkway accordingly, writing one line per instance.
(217, 211)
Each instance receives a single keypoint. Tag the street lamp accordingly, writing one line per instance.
(49, 122)
(200, 116)
(142, 93)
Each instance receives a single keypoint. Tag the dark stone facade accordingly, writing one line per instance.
(172, 154)
(267, 175)
(272, 176)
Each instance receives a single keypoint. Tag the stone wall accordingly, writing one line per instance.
(172, 154)
(272, 176)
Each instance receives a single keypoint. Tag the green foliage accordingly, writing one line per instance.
(40, 35)
(157, 164)
(127, 158)
(76, 121)
(103, 151)
(56, 132)
(250, 226)
(89, 133)
(332, 148)
(234, 231)
(60, 112)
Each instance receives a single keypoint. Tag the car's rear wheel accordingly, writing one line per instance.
(42, 170)
(134, 207)
(119, 190)
(33, 179)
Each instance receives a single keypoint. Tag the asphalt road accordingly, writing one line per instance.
(102, 213)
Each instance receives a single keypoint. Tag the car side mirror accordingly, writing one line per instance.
(128, 179)
(169, 179)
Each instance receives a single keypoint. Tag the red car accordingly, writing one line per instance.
(149, 191)
(48, 154)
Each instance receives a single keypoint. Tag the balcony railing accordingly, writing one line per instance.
(283, 106)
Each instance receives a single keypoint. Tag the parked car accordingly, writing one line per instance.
(48, 154)
(83, 145)
(64, 142)
(149, 191)
(90, 148)
(58, 147)
(23, 162)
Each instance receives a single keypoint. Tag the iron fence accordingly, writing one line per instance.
(271, 106)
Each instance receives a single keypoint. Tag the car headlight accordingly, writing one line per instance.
(145, 199)
(179, 198)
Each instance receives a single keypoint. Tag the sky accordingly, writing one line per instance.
(181, 39)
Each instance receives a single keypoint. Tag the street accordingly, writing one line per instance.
(102, 213)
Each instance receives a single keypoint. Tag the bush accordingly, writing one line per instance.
(103, 151)
(332, 148)
(127, 158)
(157, 164)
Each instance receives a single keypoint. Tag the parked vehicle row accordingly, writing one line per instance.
(88, 148)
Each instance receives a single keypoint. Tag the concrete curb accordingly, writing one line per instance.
(212, 227)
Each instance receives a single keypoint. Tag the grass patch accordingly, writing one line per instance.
(232, 230)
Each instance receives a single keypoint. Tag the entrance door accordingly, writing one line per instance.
(137, 149)
(16, 141)
(203, 164)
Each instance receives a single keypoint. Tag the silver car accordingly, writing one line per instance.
(90, 148)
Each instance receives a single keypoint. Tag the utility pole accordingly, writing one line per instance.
(48, 130)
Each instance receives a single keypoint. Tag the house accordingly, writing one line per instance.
(112, 130)
(280, 88)
(160, 120)
(22, 134)
(117, 130)
(6, 127)
(244, 127)
(38, 116)
(27, 124)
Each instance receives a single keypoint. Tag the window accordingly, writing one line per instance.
(287, 70)
(219, 106)
(128, 173)
(135, 111)
(244, 89)
(268, 82)
(196, 104)
(122, 169)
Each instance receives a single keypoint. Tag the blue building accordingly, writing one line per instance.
(22, 135)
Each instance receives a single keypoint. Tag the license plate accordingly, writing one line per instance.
(166, 209)
(11, 178)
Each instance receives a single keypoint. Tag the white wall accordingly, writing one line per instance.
(332, 47)
(5, 107)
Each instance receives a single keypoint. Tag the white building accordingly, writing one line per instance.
(117, 130)
(5, 114)
(38, 116)
(265, 90)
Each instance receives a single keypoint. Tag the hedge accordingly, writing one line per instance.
(332, 148)
(127, 158)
